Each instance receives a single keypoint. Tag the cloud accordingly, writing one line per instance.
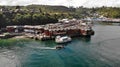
(75, 3)
(100, 3)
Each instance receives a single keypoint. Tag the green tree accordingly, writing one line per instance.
(2, 20)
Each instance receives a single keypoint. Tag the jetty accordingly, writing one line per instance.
(103, 19)
(69, 27)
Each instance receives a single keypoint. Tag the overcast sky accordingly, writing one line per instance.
(75, 3)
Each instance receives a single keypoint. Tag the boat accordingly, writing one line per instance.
(62, 39)
(59, 47)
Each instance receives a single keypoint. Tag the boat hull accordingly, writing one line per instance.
(61, 40)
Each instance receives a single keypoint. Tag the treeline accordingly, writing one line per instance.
(110, 12)
(31, 18)
(26, 19)
(33, 14)
(51, 9)
(43, 14)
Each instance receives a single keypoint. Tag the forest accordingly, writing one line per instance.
(43, 14)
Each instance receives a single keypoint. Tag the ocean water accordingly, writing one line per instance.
(100, 50)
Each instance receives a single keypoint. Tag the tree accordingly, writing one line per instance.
(2, 20)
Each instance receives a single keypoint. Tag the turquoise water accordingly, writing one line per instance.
(101, 50)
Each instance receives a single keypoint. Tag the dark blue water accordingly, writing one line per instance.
(101, 50)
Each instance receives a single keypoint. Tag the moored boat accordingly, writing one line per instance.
(62, 39)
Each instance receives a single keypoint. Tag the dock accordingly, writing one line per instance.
(105, 20)
(69, 27)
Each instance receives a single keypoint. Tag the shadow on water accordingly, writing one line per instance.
(107, 23)
(10, 43)
(82, 38)
(49, 43)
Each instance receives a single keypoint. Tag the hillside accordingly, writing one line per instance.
(48, 8)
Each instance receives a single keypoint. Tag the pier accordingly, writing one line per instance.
(105, 20)
(67, 27)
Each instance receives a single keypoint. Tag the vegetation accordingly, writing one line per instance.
(111, 12)
(33, 14)
(13, 42)
(43, 14)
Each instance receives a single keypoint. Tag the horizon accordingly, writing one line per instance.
(67, 3)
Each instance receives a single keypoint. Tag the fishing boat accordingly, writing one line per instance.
(62, 39)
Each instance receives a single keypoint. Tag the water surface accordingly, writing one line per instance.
(101, 50)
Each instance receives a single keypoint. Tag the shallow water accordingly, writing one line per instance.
(101, 50)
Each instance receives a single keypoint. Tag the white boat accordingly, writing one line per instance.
(62, 39)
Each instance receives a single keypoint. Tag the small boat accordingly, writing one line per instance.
(62, 39)
(59, 47)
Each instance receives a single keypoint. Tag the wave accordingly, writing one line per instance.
(47, 48)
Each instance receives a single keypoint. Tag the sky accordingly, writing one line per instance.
(75, 3)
